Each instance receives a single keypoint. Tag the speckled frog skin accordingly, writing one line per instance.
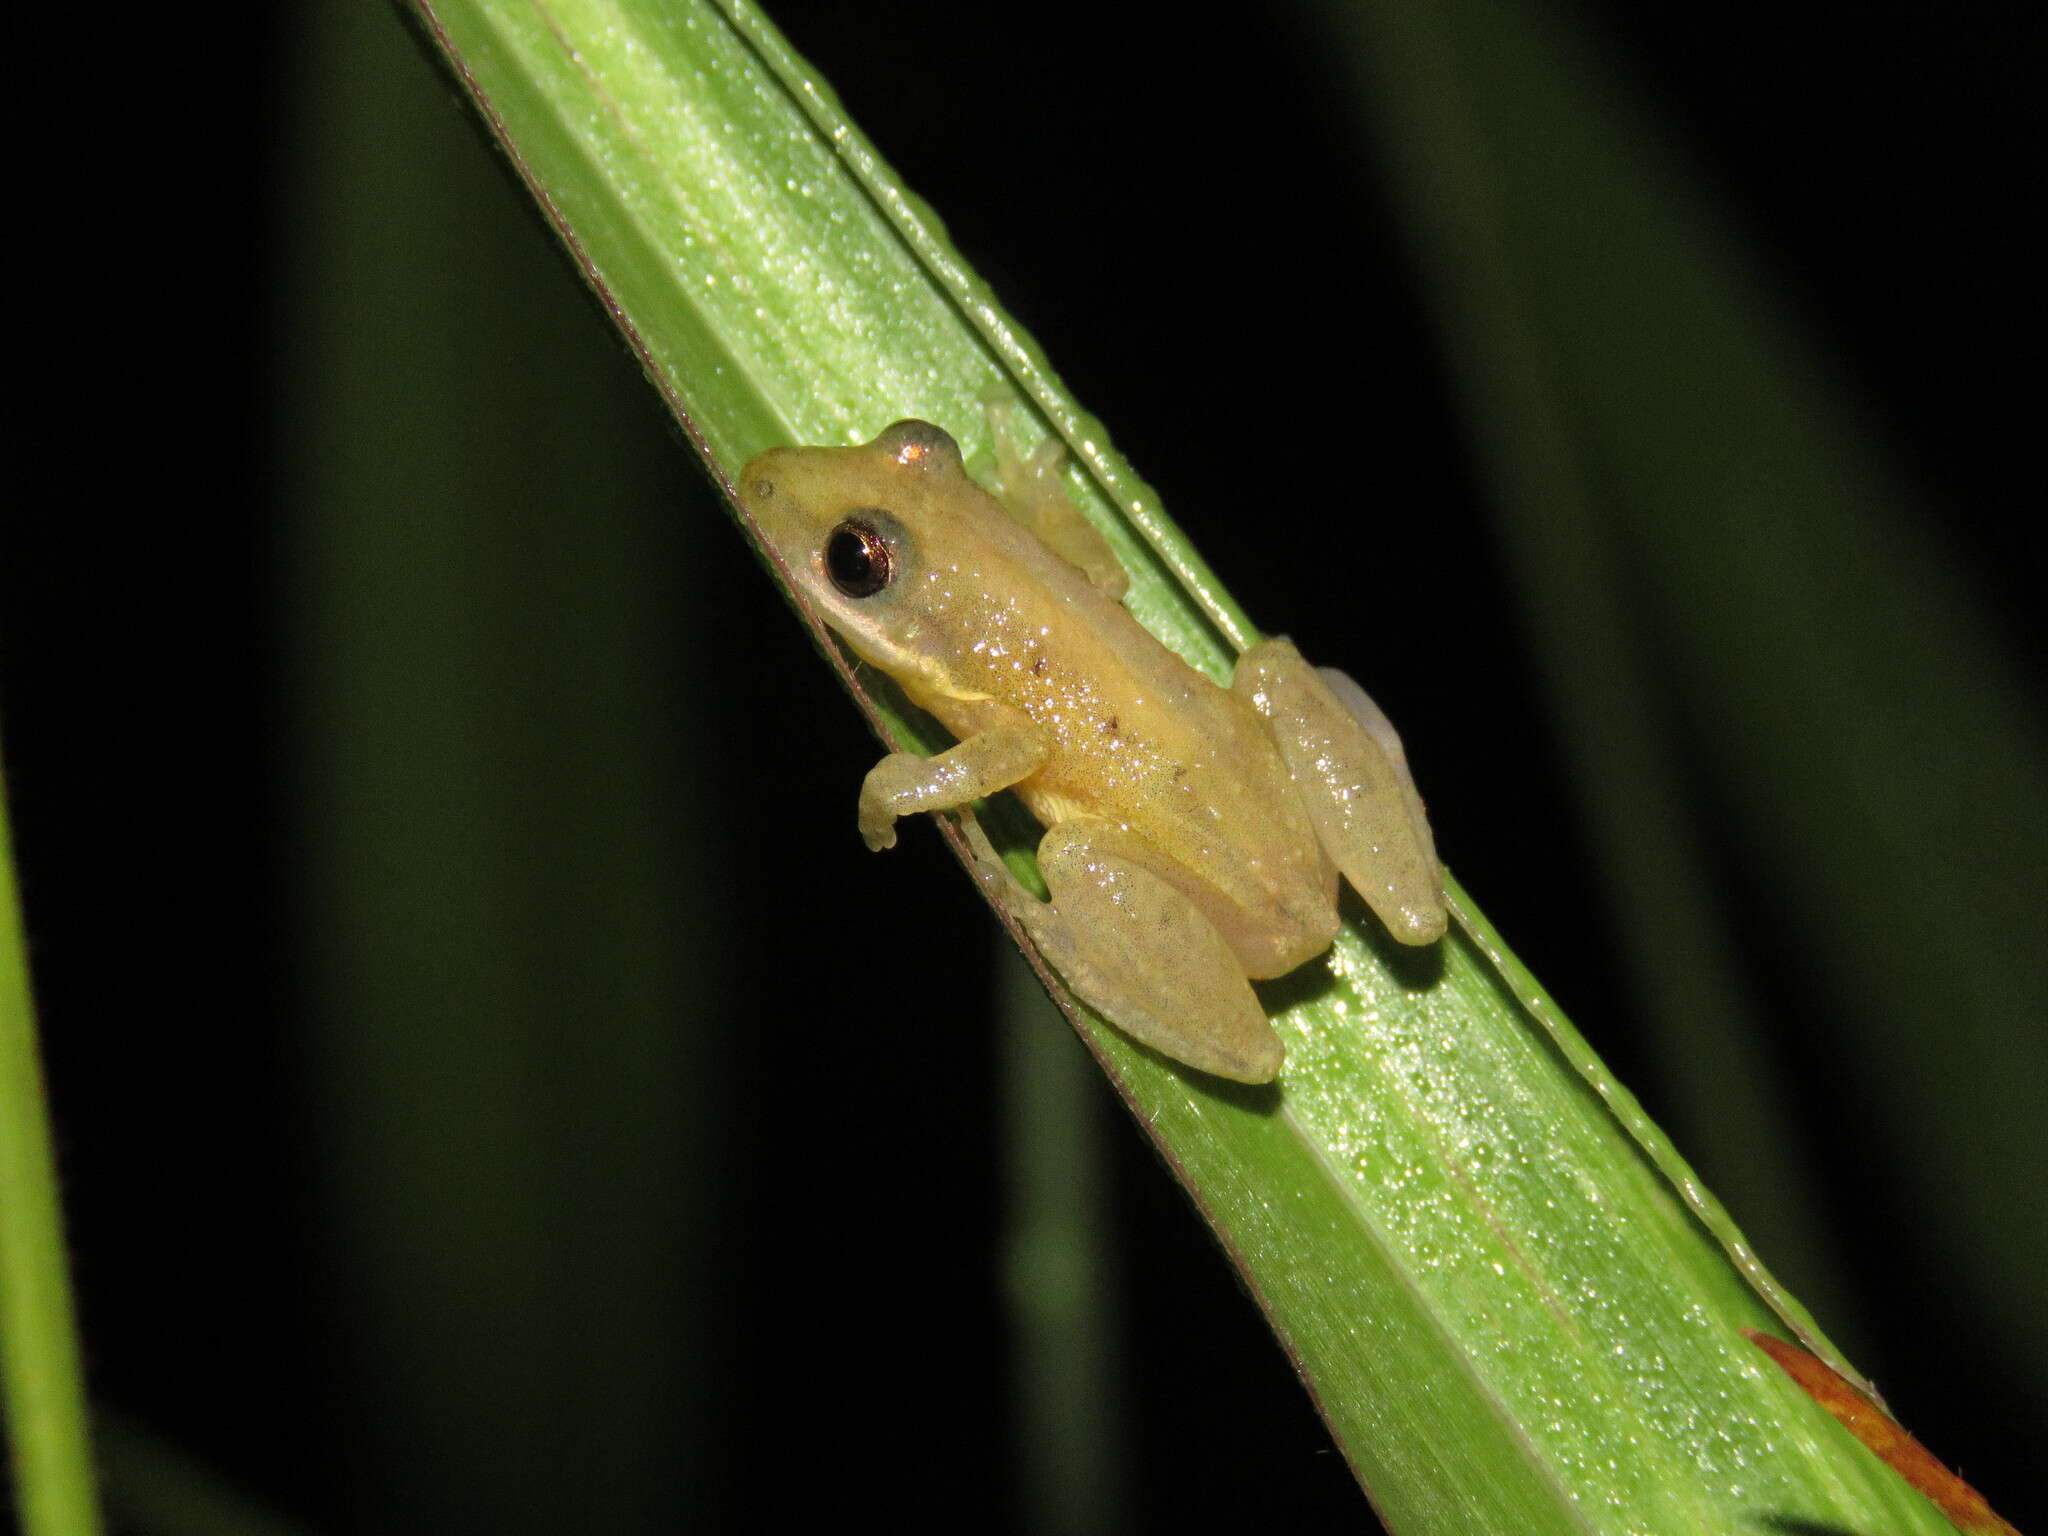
(1194, 834)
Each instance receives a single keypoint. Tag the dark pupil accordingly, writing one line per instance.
(857, 560)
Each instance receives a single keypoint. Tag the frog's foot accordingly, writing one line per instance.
(1353, 775)
(1033, 491)
(1137, 950)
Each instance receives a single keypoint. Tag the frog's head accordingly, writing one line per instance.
(858, 529)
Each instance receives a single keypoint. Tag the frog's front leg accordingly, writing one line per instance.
(1034, 493)
(1127, 938)
(1352, 773)
(903, 783)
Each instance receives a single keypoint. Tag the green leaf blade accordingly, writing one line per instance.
(1508, 1318)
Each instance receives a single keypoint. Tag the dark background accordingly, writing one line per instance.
(571, 1264)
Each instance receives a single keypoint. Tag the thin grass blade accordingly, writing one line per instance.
(42, 1385)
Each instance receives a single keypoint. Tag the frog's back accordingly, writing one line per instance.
(1140, 738)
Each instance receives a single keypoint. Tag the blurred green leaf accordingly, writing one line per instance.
(1688, 491)
(155, 1487)
(510, 977)
(41, 1386)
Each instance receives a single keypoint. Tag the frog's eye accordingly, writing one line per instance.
(858, 559)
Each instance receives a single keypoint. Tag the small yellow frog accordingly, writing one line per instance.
(1194, 835)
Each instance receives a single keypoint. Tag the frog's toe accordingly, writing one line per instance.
(1143, 955)
(1416, 922)
(1046, 461)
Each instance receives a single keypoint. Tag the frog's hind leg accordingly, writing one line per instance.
(1136, 949)
(1353, 775)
